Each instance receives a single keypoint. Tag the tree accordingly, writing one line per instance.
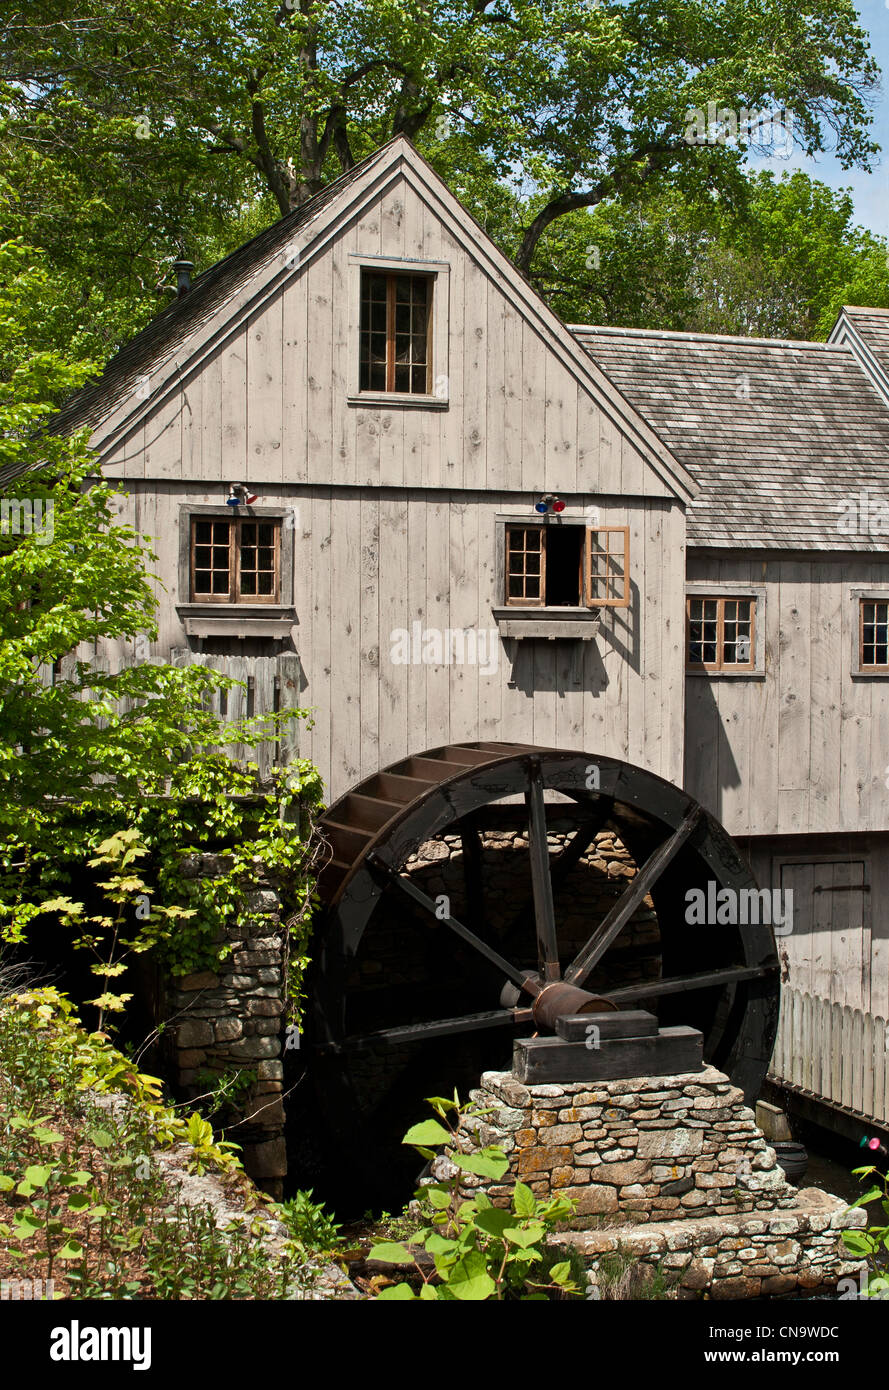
(781, 264)
(575, 101)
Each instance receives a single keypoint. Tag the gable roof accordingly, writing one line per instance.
(220, 299)
(866, 333)
(172, 329)
(778, 434)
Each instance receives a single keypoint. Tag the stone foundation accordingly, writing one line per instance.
(229, 1020)
(671, 1171)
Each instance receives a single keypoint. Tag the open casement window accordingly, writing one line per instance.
(721, 634)
(567, 566)
(235, 560)
(396, 332)
(873, 635)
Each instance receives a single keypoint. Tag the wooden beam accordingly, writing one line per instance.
(544, 912)
(587, 958)
(681, 984)
(530, 985)
(419, 1032)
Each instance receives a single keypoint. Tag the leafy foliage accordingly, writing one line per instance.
(872, 1243)
(82, 1192)
(133, 136)
(479, 1251)
(103, 768)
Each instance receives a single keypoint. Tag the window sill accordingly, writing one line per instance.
(548, 624)
(237, 619)
(726, 675)
(390, 398)
(870, 675)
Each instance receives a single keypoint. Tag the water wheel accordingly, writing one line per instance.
(441, 994)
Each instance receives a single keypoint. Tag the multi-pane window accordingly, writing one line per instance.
(874, 635)
(720, 634)
(395, 337)
(525, 565)
(567, 566)
(234, 560)
(607, 567)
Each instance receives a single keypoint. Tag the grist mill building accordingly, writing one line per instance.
(474, 526)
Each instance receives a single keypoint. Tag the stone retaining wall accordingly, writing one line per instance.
(672, 1170)
(229, 1020)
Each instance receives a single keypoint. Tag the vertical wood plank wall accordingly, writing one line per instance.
(370, 562)
(805, 750)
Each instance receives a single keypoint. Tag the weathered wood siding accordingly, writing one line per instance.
(369, 562)
(271, 406)
(804, 749)
(838, 948)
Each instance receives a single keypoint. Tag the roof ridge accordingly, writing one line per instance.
(673, 334)
(863, 309)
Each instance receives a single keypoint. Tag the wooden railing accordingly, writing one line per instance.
(835, 1052)
(271, 684)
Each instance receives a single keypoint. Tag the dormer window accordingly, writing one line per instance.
(395, 332)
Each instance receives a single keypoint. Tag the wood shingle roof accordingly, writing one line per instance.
(781, 436)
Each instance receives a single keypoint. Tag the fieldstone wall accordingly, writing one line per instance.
(671, 1170)
(227, 1021)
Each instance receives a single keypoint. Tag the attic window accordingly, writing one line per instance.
(567, 566)
(395, 333)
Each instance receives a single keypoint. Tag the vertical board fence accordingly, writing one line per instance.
(271, 684)
(834, 1052)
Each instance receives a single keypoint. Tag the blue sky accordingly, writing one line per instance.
(870, 191)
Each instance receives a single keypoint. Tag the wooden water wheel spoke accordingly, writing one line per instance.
(406, 886)
(544, 912)
(684, 984)
(587, 958)
(436, 1028)
(564, 862)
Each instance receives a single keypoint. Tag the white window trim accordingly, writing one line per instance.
(731, 588)
(441, 291)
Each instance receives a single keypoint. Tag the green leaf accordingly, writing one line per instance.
(397, 1293)
(857, 1242)
(100, 1138)
(47, 1136)
(523, 1200)
(439, 1245)
(489, 1163)
(37, 1175)
(428, 1294)
(71, 1250)
(391, 1252)
(526, 1236)
(427, 1132)
(494, 1221)
(469, 1279)
(869, 1196)
(6, 1183)
(561, 1273)
(438, 1197)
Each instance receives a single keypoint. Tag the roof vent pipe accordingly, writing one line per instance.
(183, 271)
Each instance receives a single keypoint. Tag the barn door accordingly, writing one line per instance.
(828, 953)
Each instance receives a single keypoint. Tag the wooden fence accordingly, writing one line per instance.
(271, 684)
(834, 1052)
